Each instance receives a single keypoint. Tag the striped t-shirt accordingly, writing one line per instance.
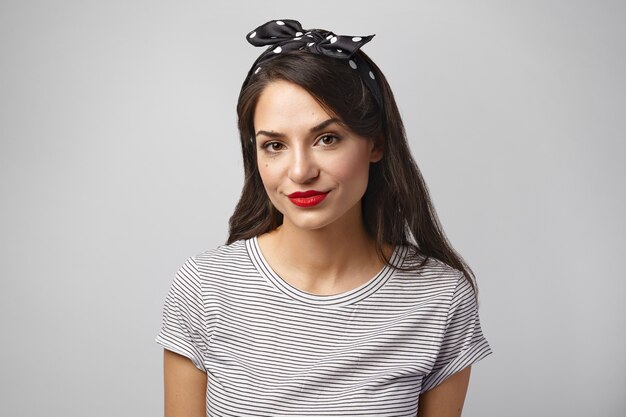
(270, 349)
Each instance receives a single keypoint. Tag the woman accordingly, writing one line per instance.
(336, 292)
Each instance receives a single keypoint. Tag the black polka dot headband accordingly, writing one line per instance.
(288, 35)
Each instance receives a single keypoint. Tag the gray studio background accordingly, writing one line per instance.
(119, 158)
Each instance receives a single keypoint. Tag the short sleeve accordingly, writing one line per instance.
(184, 326)
(463, 343)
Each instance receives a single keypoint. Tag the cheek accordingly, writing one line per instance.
(353, 167)
(267, 174)
(261, 166)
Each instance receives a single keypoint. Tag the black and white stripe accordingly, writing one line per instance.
(271, 349)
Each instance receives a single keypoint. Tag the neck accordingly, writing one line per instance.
(323, 258)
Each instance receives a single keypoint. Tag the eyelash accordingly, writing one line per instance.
(268, 145)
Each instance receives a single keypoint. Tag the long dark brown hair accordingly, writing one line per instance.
(397, 208)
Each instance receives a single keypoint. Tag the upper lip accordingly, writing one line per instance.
(308, 193)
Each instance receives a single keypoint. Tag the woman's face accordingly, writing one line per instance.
(314, 170)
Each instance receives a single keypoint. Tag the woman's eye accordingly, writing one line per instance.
(328, 140)
(273, 146)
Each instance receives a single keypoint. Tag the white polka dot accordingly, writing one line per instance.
(339, 50)
(278, 50)
(298, 33)
(352, 64)
(257, 70)
(252, 35)
(356, 39)
(280, 22)
(298, 38)
(310, 44)
(372, 75)
(333, 39)
(329, 36)
(310, 36)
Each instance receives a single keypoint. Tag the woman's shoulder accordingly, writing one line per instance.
(412, 257)
(430, 269)
(222, 259)
(222, 253)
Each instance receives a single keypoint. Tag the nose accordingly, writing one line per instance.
(303, 168)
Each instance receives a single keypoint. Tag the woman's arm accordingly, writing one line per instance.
(447, 398)
(185, 387)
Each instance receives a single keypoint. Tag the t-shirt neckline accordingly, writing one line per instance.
(348, 297)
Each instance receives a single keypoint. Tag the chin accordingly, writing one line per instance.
(312, 221)
(317, 218)
(307, 224)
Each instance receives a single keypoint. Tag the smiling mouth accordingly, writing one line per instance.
(307, 198)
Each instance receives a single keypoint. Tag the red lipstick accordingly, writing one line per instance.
(307, 198)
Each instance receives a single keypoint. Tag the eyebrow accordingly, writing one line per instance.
(314, 129)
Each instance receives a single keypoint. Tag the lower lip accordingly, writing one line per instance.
(311, 201)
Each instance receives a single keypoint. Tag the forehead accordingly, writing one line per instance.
(283, 105)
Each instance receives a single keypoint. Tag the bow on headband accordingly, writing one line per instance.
(287, 35)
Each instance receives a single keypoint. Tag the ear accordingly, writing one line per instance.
(376, 151)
